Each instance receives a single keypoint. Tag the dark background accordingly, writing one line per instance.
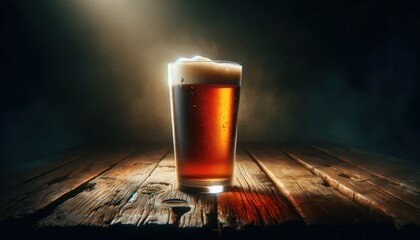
(88, 71)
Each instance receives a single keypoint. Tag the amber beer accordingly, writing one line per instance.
(204, 106)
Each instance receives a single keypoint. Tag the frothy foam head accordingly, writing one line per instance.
(193, 59)
(202, 70)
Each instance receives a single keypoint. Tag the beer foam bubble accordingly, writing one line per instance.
(202, 70)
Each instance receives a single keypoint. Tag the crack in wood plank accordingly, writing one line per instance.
(374, 193)
(316, 202)
(99, 205)
(270, 189)
(157, 201)
(396, 171)
(23, 201)
(253, 200)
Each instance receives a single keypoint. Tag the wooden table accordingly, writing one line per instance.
(280, 190)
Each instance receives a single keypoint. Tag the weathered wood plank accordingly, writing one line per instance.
(159, 202)
(34, 195)
(16, 175)
(101, 201)
(254, 200)
(315, 201)
(375, 193)
(139, 191)
(398, 171)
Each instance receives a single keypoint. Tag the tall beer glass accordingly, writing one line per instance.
(204, 97)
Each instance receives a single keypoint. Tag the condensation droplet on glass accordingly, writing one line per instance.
(182, 79)
(195, 105)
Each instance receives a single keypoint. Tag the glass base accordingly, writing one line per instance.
(205, 186)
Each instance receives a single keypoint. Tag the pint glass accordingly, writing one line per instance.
(204, 96)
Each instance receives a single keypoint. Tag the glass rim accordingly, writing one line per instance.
(208, 61)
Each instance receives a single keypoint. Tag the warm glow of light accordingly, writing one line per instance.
(215, 189)
(222, 132)
(130, 40)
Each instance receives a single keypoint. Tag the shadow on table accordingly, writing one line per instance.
(290, 230)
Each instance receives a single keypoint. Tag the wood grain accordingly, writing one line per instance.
(398, 171)
(139, 191)
(38, 193)
(135, 187)
(14, 176)
(254, 199)
(315, 201)
(159, 202)
(377, 194)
